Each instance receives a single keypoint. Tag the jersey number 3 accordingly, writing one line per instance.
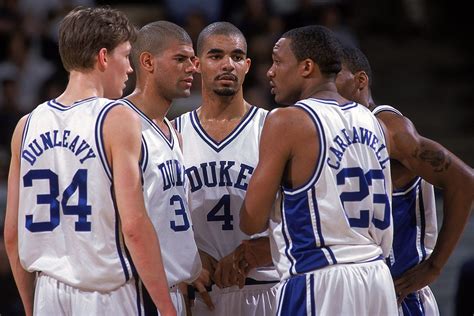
(81, 210)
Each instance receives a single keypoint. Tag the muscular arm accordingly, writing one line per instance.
(274, 152)
(123, 152)
(24, 280)
(437, 165)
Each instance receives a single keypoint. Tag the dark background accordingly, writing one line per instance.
(420, 52)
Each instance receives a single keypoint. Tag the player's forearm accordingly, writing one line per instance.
(457, 208)
(25, 281)
(144, 247)
(252, 222)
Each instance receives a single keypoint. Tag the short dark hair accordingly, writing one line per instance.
(85, 31)
(154, 38)
(219, 28)
(317, 43)
(355, 60)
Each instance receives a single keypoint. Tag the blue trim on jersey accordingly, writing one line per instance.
(144, 157)
(218, 146)
(408, 234)
(25, 132)
(118, 242)
(349, 106)
(305, 252)
(331, 102)
(386, 108)
(412, 305)
(318, 223)
(61, 107)
(169, 141)
(280, 299)
(295, 297)
(312, 295)
(422, 224)
(321, 153)
(285, 236)
(99, 138)
(139, 299)
(178, 124)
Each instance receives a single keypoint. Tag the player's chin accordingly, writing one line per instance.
(182, 93)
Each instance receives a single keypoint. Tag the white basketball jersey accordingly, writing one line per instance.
(218, 174)
(342, 214)
(415, 228)
(166, 200)
(69, 227)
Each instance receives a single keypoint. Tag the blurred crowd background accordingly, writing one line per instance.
(420, 53)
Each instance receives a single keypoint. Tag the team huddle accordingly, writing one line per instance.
(322, 207)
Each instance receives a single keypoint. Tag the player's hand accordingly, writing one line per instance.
(183, 288)
(252, 254)
(205, 278)
(227, 274)
(415, 279)
(200, 284)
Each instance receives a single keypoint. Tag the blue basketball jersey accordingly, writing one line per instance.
(414, 218)
(343, 213)
(68, 225)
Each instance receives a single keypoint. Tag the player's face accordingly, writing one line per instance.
(118, 68)
(283, 74)
(174, 69)
(346, 83)
(223, 64)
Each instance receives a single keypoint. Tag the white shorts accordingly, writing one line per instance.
(53, 297)
(421, 302)
(251, 300)
(150, 308)
(341, 289)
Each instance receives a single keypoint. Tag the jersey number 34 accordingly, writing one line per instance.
(81, 210)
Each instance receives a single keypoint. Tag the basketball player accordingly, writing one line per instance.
(75, 210)
(330, 158)
(165, 48)
(220, 141)
(414, 158)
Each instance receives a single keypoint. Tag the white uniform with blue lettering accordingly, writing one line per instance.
(332, 232)
(415, 231)
(166, 203)
(69, 228)
(218, 174)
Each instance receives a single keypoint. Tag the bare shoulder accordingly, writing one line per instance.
(18, 133)
(121, 126)
(288, 119)
(396, 123)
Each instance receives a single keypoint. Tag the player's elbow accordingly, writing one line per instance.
(133, 228)
(10, 236)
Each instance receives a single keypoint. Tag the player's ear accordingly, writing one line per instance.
(362, 79)
(146, 61)
(307, 67)
(197, 64)
(102, 59)
(248, 62)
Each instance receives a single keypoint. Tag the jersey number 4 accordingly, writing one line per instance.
(81, 210)
(226, 217)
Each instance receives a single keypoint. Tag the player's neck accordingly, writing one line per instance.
(80, 86)
(325, 90)
(215, 107)
(154, 106)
